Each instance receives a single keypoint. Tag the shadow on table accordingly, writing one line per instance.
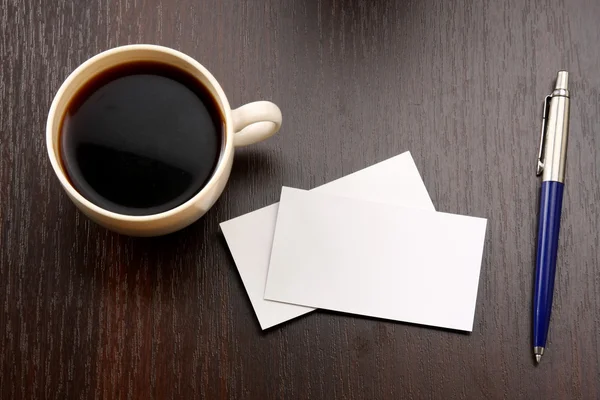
(411, 325)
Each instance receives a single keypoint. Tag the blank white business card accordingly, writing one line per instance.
(374, 259)
(250, 236)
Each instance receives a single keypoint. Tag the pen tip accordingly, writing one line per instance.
(538, 358)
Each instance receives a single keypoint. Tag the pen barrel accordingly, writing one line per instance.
(549, 226)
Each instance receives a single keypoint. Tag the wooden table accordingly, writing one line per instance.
(85, 313)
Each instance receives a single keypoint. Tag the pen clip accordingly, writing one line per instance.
(540, 159)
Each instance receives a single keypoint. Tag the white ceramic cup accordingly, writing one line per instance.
(246, 125)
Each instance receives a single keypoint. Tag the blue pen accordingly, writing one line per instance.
(551, 165)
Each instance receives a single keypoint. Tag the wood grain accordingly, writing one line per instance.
(85, 313)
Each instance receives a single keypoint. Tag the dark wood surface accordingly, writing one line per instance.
(85, 313)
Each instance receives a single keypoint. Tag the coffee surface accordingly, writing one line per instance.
(141, 138)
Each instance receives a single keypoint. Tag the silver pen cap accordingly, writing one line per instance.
(555, 131)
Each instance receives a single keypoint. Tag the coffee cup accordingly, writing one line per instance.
(243, 126)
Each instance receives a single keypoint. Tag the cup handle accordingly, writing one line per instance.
(254, 122)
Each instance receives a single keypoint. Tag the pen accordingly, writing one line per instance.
(551, 165)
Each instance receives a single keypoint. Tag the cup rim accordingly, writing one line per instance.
(219, 169)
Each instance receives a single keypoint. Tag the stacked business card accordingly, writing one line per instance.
(370, 243)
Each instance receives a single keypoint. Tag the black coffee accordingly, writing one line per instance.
(141, 138)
